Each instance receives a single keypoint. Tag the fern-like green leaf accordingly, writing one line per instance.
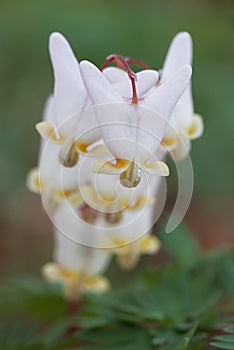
(224, 341)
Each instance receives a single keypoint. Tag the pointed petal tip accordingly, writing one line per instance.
(183, 39)
(87, 66)
(183, 36)
(98, 87)
(56, 37)
(58, 44)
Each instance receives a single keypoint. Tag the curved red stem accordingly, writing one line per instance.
(123, 62)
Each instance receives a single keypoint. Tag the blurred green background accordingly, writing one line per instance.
(138, 29)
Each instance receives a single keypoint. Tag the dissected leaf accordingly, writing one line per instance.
(224, 341)
(116, 338)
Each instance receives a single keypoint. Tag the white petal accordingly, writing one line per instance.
(107, 167)
(149, 244)
(71, 222)
(196, 128)
(106, 194)
(179, 54)
(182, 115)
(145, 80)
(166, 96)
(74, 256)
(33, 181)
(52, 173)
(48, 116)
(69, 91)
(130, 132)
(133, 226)
(114, 74)
(47, 132)
(182, 148)
(51, 272)
(99, 88)
(128, 256)
(48, 111)
(169, 142)
(157, 168)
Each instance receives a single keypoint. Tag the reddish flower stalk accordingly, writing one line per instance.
(138, 63)
(123, 62)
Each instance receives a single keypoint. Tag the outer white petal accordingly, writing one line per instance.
(179, 54)
(131, 132)
(182, 148)
(166, 96)
(114, 74)
(136, 223)
(69, 91)
(48, 111)
(47, 115)
(182, 115)
(68, 219)
(133, 226)
(146, 79)
(74, 256)
(51, 172)
(99, 88)
(196, 128)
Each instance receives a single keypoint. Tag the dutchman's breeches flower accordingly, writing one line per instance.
(77, 267)
(185, 126)
(105, 135)
(132, 129)
(55, 182)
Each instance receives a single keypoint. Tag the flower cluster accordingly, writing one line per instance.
(104, 138)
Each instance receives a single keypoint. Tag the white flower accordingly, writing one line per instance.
(105, 194)
(128, 215)
(184, 125)
(68, 121)
(132, 130)
(50, 178)
(76, 267)
(73, 123)
(132, 238)
(106, 122)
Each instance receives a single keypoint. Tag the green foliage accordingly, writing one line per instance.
(116, 337)
(33, 336)
(186, 304)
(225, 341)
(42, 300)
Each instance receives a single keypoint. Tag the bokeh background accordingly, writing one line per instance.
(138, 29)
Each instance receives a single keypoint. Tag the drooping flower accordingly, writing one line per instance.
(184, 124)
(73, 125)
(132, 130)
(99, 123)
(127, 215)
(129, 250)
(53, 181)
(69, 120)
(78, 268)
